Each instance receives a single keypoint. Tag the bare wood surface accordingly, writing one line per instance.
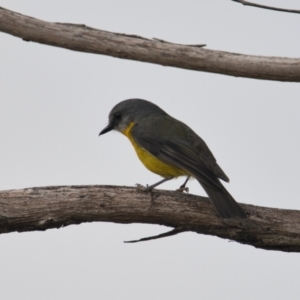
(192, 57)
(54, 207)
(247, 3)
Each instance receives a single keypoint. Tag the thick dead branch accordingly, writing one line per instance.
(192, 57)
(295, 11)
(54, 207)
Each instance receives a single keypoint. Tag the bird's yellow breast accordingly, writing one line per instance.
(152, 163)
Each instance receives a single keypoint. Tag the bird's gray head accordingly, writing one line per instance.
(128, 111)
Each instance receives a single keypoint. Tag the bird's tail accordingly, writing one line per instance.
(224, 203)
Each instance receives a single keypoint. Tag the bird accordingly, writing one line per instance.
(170, 148)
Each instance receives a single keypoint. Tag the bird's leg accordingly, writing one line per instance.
(182, 188)
(151, 187)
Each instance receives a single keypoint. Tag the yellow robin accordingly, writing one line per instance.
(171, 149)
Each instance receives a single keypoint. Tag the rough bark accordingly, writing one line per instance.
(192, 57)
(54, 207)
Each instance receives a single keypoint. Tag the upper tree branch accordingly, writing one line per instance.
(54, 207)
(86, 39)
(295, 11)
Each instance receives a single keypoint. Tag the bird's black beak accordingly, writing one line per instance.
(108, 128)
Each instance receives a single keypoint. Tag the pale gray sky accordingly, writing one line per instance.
(54, 102)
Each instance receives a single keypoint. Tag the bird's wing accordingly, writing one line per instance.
(205, 155)
(178, 146)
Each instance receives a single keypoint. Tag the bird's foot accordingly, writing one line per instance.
(143, 188)
(183, 189)
(147, 189)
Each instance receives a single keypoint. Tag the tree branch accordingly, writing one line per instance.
(267, 7)
(54, 207)
(159, 236)
(86, 39)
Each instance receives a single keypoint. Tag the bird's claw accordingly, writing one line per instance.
(182, 189)
(147, 189)
(142, 188)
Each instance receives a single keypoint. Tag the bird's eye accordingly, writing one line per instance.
(118, 116)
